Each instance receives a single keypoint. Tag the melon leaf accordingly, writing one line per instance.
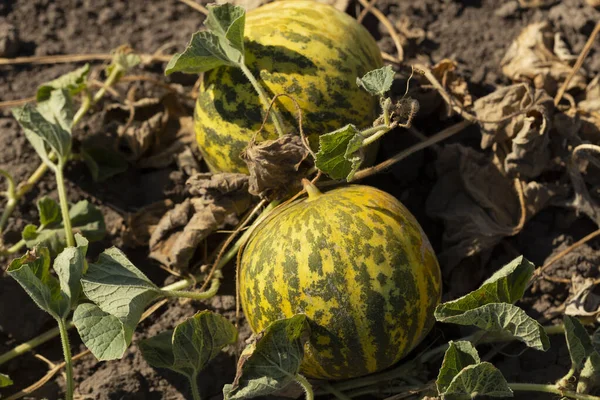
(120, 292)
(458, 356)
(74, 82)
(482, 379)
(378, 81)
(272, 362)
(507, 285)
(340, 153)
(191, 346)
(222, 44)
(584, 354)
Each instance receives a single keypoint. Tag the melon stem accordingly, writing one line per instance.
(311, 189)
(262, 94)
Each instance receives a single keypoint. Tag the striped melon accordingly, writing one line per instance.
(357, 263)
(305, 49)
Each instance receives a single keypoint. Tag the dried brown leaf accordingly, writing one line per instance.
(445, 72)
(526, 120)
(276, 166)
(159, 131)
(536, 3)
(584, 301)
(531, 58)
(219, 200)
(140, 225)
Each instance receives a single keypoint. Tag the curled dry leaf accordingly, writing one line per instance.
(276, 166)
(445, 72)
(584, 301)
(218, 201)
(153, 131)
(141, 224)
(525, 133)
(531, 58)
(478, 203)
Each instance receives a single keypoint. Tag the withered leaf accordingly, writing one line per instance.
(478, 204)
(445, 72)
(276, 166)
(526, 134)
(141, 225)
(531, 58)
(153, 131)
(203, 184)
(218, 201)
(584, 301)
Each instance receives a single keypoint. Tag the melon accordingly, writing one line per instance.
(306, 49)
(356, 262)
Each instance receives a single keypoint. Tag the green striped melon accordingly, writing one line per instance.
(303, 48)
(357, 263)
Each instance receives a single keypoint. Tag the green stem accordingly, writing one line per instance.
(64, 338)
(536, 387)
(11, 196)
(112, 78)
(84, 108)
(32, 344)
(306, 386)
(64, 204)
(375, 133)
(194, 385)
(214, 288)
(275, 116)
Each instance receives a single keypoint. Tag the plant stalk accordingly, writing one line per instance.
(214, 288)
(537, 387)
(64, 338)
(194, 386)
(375, 133)
(306, 386)
(64, 204)
(275, 116)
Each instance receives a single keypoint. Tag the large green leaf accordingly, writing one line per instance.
(482, 379)
(507, 285)
(273, 362)
(120, 293)
(378, 81)
(458, 356)
(192, 345)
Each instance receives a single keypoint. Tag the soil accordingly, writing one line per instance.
(475, 33)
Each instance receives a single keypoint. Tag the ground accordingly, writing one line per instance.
(476, 34)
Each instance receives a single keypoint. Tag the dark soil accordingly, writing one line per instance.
(475, 33)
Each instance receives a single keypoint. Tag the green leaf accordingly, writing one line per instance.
(192, 345)
(74, 82)
(49, 211)
(589, 378)
(578, 342)
(340, 152)
(103, 162)
(58, 109)
(228, 22)
(42, 134)
(503, 318)
(123, 60)
(378, 81)
(86, 219)
(69, 266)
(596, 340)
(32, 272)
(5, 380)
(203, 53)
(458, 356)
(481, 379)
(120, 292)
(222, 44)
(271, 363)
(507, 285)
